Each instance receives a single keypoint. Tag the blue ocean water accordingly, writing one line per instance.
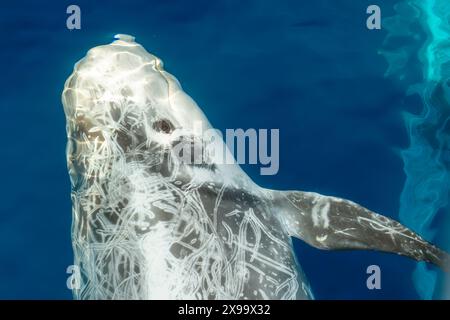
(309, 68)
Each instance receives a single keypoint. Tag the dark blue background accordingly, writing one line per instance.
(309, 68)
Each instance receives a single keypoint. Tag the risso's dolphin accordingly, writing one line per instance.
(149, 225)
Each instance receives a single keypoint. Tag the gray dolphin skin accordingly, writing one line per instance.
(147, 225)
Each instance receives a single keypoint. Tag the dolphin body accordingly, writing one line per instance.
(147, 225)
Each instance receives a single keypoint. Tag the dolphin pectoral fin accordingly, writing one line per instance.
(333, 224)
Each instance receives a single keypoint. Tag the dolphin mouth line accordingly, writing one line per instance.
(191, 143)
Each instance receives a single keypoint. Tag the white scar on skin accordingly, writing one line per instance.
(320, 213)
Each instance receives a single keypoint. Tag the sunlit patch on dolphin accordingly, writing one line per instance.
(149, 226)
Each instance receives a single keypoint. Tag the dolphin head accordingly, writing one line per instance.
(119, 100)
(120, 103)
